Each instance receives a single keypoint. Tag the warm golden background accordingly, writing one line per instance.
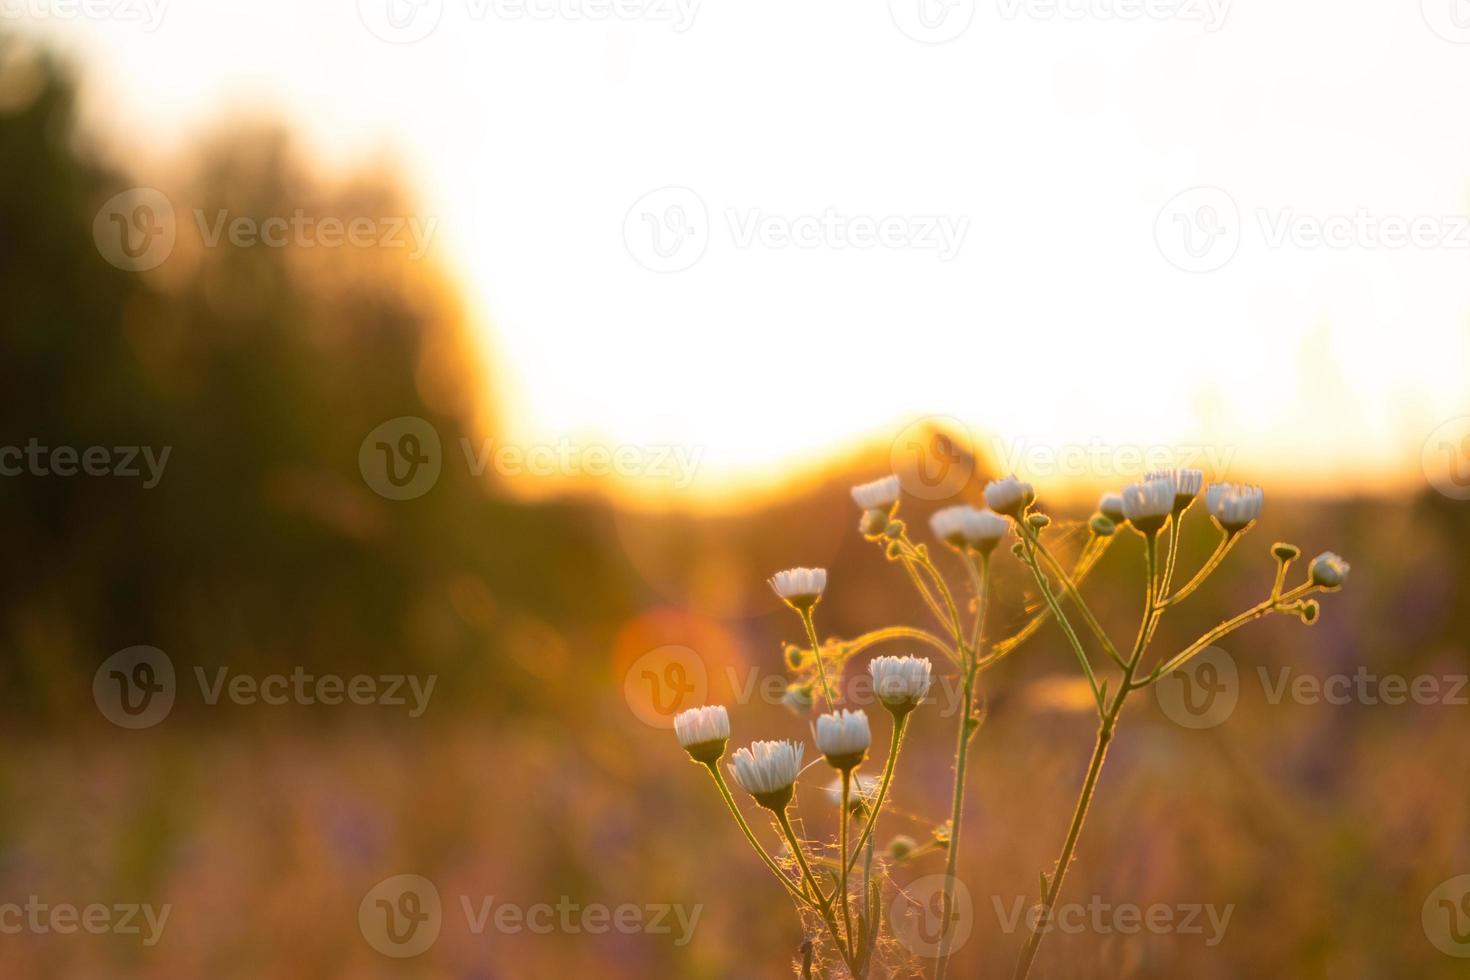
(532, 777)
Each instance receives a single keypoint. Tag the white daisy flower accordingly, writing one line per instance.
(1009, 496)
(863, 792)
(703, 731)
(1187, 484)
(843, 737)
(948, 524)
(1329, 570)
(767, 771)
(1111, 507)
(901, 682)
(801, 587)
(984, 529)
(963, 525)
(1147, 505)
(1234, 505)
(877, 495)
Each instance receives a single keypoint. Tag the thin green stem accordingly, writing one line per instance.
(824, 907)
(968, 725)
(1263, 608)
(714, 771)
(1213, 562)
(911, 567)
(1086, 562)
(900, 724)
(842, 849)
(956, 821)
(811, 632)
(1106, 727)
(1069, 847)
(922, 559)
(1076, 596)
(1028, 554)
(898, 633)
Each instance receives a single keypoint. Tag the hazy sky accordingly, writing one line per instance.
(764, 228)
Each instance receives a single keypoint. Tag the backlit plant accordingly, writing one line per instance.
(842, 909)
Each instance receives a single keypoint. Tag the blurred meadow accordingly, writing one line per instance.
(539, 771)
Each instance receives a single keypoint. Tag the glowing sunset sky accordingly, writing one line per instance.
(867, 228)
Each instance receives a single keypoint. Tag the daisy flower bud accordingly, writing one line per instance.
(1009, 496)
(843, 737)
(862, 793)
(1147, 505)
(900, 682)
(1187, 484)
(1329, 570)
(767, 771)
(1102, 525)
(877, 495)
(1111, 507)
(703, 732)
(901, 846)
(1234, 505)
(798, 698)
(800, 587)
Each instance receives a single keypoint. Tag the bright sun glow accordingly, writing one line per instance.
(830, 267)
